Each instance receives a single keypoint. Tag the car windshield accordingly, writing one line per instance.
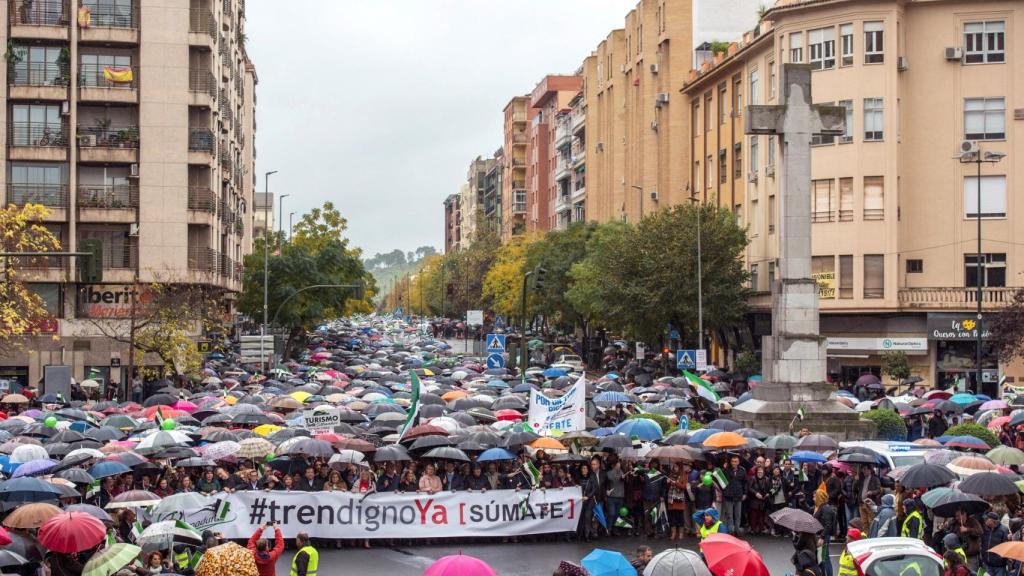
(907, 460)
(903, 565)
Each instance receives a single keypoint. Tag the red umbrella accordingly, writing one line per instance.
(71, 532)
(507, 414)
(424, 430)
(726, 554)
(5, 538)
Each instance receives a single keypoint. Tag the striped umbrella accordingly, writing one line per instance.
(111, 559)
(168, 531)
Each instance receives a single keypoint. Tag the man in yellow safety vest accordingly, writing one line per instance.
(306, 559)
(846, 564)
(709, 523)
(913, 525)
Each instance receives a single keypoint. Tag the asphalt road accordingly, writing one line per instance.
(509, 559)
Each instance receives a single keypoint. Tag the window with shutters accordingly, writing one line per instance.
(737, 161)
(771, 214)
(874, 198)
(755, 218)
(874, 276)
(985, 42)
(796, 48)
(846, 45)
(993, 197)
(874, 43)
(821, 209)
(846, 199)
(723, 166)
(984, 118)
(846, 276)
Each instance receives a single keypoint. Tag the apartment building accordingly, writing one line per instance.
(550, 97)
(569, 202)
(452, 223)
(517, 148)
(894, 211)
(492, 193)
(133, 122)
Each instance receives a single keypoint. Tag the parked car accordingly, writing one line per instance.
(571, 361)
(894, 557)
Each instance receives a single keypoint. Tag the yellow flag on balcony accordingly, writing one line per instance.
(118, 74)
(84, 17)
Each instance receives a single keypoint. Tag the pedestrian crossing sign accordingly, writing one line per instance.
(686, 359)
(495, 343)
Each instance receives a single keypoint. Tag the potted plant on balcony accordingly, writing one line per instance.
(64, 64)
(103, 130)
(128, 137)
(12, 58)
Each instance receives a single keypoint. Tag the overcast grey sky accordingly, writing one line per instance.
(379, 105)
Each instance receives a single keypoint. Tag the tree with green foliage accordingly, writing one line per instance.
(747, 362)
(895, 365)
(1007, 328)
(977, 430)
(663, 421)
(888, 424)
(556, 253)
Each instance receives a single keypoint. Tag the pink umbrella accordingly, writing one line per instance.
(459, 565)
(840, 466)
(994, 405)
(185, 406)
(997, 423)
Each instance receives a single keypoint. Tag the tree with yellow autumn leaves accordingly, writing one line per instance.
(21, 310)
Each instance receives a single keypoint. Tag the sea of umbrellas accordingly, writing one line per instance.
(55, 453)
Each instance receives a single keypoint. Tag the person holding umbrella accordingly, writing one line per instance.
(968, 531)
(994, 534)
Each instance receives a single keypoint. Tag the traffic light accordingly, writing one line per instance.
(91, 265)
(538, 278)
(451, 289)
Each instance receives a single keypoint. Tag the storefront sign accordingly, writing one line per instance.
(351, 515)
(883, 344)
(826, 284)
(111, 300)
(954, 327)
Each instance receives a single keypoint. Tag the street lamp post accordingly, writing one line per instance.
(522, 334)
(977, 157)
(290, 215)
(280, 210)
(266, 258)
(700, 275)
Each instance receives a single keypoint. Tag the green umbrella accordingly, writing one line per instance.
(111, 559)
(1006, 456)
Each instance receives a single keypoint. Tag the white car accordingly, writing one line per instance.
(570, 361)
(893, 557)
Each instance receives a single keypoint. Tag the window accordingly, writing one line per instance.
(737, 161)
(823, 270)
(50, 294)
(723, 166)
(993, 197)
(110, 13)
(37, 66)
(796, 47)
(847, 136)
(823, 139)
(723, 99)
(36, 125)
(846, 276)
(821, 48)
(695, 119)
(755, 218)
(985, 42)
(737, 97)
(846, 45)
(874, 43)
(874, 198)
(771, 153)
(771, 275)
(755, 94)
(821, 194)
(708, 122)
(753, 158)
(709, 178)
(846, 199)
(993, 270)
(771, 214)
(753, 277)
(915, 266)
(874, 119)
(874, 276)
(118, 250)
(984, 118)
(772, 81)
(696, 175)
(37, 183)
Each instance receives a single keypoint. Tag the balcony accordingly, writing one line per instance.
(200, 146)
(563, 167)
(202, 87)
(578, 119)
(102, 83)
(120, 260)
(239, 226)
(228, 13)
(39, 19)
(43, 269)
(109, 23)
(579, 192)
(519, 116)
(53, 196)
(202, 29)
(37, 141)
(201, 198)
(225, 163)
(113, 203)
(203, 259)
(963, 299)
(38, 81)
(114, 144)
(563, 136)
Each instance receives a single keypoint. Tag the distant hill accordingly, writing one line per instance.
(395, 264)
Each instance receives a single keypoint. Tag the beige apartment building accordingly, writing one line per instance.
(133, 122)
(568, 205)
(550, 98)
(517, 116)
(894, 210)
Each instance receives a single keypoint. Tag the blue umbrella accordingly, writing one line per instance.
(34, 468)
(599, 516)
(698, 437)
(497, 384)
(6, 466)
(607, 563)
(108, 468)
(553, 372)
(495, 454)
(743, 398)
(22, 490)
(601, 432)
(643, 428)
(807, 456)
(674, 403)
(963, 399)
(521, 388)
(612, 398)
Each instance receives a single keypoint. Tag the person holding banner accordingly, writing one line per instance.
(588, 483)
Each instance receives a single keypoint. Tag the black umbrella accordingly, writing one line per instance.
(857, 458)
(447, 453)
(796, 520)
(26, 490)
(988, 484)
(67, 436)
(312, 447)
(250, 419)
(520, 438)
(568, 457)
(104, 434)
(927, 476)
(677, 438)
(947, 504)
(76, 475)
(725, 425)
(613, 441)
(288, 465)
(817, 443)
(158, 399)
(428, 442)
(394, 453)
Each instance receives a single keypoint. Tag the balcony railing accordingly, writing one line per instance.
(201, 198)
(846, 215)
(38, 12)
(874, 214)
(824, 216)
(112, 137)
(203, 259)
(38, 74)
(519, 207)
(120, 256)
(200, 139)
(108, 196)
(117, 15)
(225, 159)
(202, 22)
(239, 226)
(954, 298)
(103, 76)
(37, 134)
(201, 80)
(52, 195)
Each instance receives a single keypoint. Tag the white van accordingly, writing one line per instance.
(895, 454)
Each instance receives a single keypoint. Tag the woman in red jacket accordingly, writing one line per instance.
(266, 557)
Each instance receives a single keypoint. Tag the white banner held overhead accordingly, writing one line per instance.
(566, 413)
(321, 420)
(348, 515)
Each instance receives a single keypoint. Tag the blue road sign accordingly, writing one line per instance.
(674, 334)
(499, 321)
(684, 423)
(495, 361)
(686, 359)
(496, 343)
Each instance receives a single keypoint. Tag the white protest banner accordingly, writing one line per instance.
(565, 413)
(349, 515)
(321, 420)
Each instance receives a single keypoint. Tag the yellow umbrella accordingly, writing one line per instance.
(266, 429)
(428, 372)
(231, 400)
(300, 395)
